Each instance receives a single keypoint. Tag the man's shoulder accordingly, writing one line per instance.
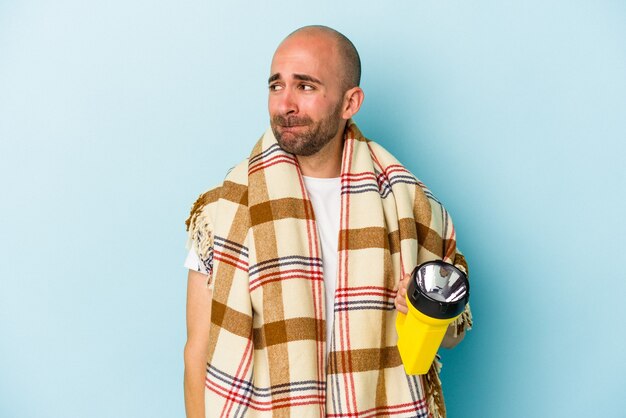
(382, 153)
(234, 188)
(398, 174)
(237, 174)
(386, 162)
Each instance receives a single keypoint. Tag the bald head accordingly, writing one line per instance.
(313, 92)
(348, 57)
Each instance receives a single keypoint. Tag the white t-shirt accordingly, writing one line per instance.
(325, 195)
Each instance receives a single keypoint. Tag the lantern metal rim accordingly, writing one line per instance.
(430, 306)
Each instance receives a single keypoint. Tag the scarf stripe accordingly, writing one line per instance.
(318, 303)
(283, 262)
(237, 249)
(344, 330)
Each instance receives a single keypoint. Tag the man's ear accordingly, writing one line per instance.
(353, 99)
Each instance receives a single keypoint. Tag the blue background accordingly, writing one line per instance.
(115, 115)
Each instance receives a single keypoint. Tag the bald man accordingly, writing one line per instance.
(283, 363)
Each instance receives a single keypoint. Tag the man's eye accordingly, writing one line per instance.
(306, 87)
(275, 87)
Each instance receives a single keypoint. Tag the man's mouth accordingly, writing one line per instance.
(291, 122)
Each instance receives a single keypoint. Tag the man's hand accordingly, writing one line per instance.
(400, 300)
(449, 340)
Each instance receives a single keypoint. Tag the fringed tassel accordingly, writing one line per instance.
(434, 392)
(463, 322)
(200, 235)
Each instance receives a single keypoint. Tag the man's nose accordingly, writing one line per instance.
(287, 103)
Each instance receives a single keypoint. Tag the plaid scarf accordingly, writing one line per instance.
(257, 236)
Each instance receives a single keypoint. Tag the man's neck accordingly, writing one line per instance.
(326, 163)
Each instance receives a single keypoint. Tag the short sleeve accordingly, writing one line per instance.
(200, 235)
(193, 262)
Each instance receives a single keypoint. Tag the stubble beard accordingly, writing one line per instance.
(309, 141)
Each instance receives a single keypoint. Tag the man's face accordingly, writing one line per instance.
(305, 94)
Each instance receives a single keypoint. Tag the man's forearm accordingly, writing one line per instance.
(195, 375)
(449, 340)
(196, 349)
